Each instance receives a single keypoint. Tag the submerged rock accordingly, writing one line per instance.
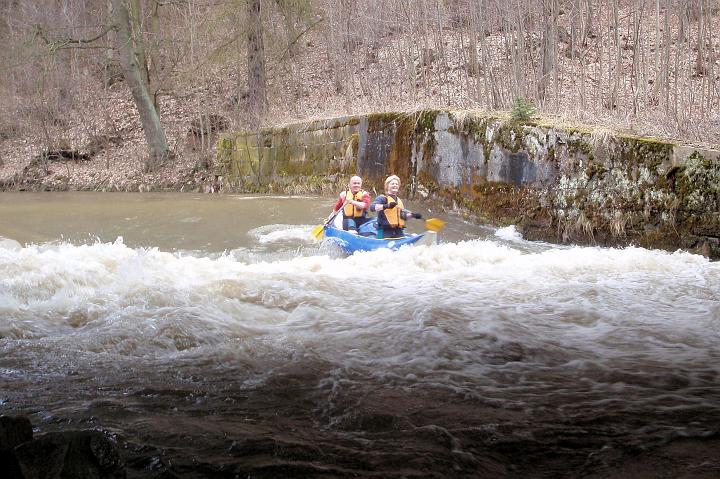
(56, 455)
(14, 431)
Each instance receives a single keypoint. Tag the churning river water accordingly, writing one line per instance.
(213, 336)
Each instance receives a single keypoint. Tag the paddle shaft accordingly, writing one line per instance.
(319, 230)
(332, 217)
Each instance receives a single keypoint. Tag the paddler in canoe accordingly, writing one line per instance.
(391, 213)
(364, 237)
(355, 204)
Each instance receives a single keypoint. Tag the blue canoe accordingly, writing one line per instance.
(351, 243)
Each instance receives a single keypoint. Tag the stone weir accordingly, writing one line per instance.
(567, 185)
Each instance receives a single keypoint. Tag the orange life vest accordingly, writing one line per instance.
(393, 215)
(350, 210)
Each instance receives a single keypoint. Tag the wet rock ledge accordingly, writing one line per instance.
(56, 455)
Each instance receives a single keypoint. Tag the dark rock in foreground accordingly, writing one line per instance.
(57, 455)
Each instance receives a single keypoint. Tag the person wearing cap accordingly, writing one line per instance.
(391, 213)
(355, 203)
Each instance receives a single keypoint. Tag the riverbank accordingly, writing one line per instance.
(117, 166)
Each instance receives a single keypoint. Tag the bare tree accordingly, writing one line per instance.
(549, 43)
(257, 86)
(129, 47)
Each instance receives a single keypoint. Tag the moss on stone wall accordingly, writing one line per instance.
(289, 152)
(380, 120)
(426, 121)
(511, 136)
(401, 151)
(697, 185)
(577, 144)
(644, 151)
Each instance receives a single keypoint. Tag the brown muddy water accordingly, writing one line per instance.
(213, 337)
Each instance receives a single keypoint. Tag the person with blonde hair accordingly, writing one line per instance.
(391, 213)
(355, 203)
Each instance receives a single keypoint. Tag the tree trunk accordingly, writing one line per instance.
(666, 59)
(110, 52)
(612, 101)
(153, 55)
(590, 22)
(257, 88)
(136, 29)
(637, 79)
(136, 81)
(550, 11)
(473, 65)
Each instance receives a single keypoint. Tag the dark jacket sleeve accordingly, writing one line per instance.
(380, 200)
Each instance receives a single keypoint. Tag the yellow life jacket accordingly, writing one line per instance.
(350, 210)
(393, 215)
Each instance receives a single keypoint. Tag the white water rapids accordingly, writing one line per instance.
(549, 341)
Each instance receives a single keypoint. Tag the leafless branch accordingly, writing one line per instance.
(62, 43)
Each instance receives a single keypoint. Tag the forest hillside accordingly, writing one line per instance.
(130, 94)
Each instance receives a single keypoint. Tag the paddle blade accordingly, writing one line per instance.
(318, 232)
(434, 224)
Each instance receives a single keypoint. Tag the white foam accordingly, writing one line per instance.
(281, 233)
(9, 244)
(509, 233)
(419, 312)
